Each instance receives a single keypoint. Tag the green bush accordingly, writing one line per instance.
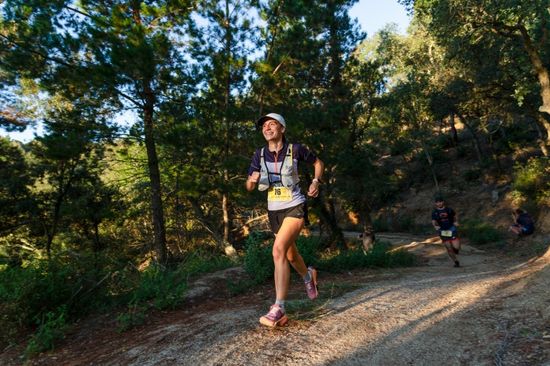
(163, 288)
(309, 249)
(379, 256)
(479, 232)
(438, 155)
(133, 317)
(197, 263)
(51, 329)
(258, 260)
(532, 180)
(37, 292)
(443, 141)
(45, 286)
(401, 146)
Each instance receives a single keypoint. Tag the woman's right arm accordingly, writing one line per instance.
(253, 172)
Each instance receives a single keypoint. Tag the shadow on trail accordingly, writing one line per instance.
(438, 337)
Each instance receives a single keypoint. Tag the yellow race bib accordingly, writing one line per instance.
(279, 194)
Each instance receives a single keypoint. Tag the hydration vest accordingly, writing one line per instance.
(289, 177)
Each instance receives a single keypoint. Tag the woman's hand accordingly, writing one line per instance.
(252, 180)
(313, 189)
(254, 177)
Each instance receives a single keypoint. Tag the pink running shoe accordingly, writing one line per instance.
(274, 318)
(311, 286)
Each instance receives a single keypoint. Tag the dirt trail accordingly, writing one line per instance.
(492, 311)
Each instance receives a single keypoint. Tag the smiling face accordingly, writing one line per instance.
(272, 130)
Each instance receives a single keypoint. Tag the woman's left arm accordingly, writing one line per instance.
(319, 167)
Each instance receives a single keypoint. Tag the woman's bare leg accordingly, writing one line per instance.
(285, 243)
(296, 260)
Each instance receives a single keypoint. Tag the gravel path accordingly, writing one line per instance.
(493, 310)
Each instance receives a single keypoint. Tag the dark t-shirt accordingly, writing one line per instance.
(274, 161)
(445, 217)
(299, 153)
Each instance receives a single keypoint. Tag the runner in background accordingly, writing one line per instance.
(445, 221)
(274, 168)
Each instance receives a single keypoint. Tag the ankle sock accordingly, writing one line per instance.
(307, 277)
(281, 304)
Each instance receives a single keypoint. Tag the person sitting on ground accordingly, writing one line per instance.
(523, 223)
(445, 221)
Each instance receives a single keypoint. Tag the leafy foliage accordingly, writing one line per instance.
(258, 261)
(51, 329)
(379, 256)
(532, 181)
(480, 232)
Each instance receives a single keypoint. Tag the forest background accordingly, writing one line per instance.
(95, 214)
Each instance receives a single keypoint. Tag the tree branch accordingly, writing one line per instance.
(56, 60)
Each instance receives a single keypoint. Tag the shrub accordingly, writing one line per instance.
(197, 263)
(443, 141)
(309, 249)
(37, 293)
(258, 262)
(133, 317)
(379, 256)
(51, 328)
(164, 288)
(45, 286)
(532, 180)
(480, 232)
(401, 146)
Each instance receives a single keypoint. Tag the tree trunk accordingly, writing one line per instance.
(475, 140)
(454, 134)
(544, 143)
(159, 230)
(97, 242)
(154, 176)
(201, 218)
(540, 70)
(328, 219)
(495, 155)
(63, 188)
(431, 165)
(227, 246)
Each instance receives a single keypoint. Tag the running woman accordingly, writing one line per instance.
(445, 221)
(274, 168)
